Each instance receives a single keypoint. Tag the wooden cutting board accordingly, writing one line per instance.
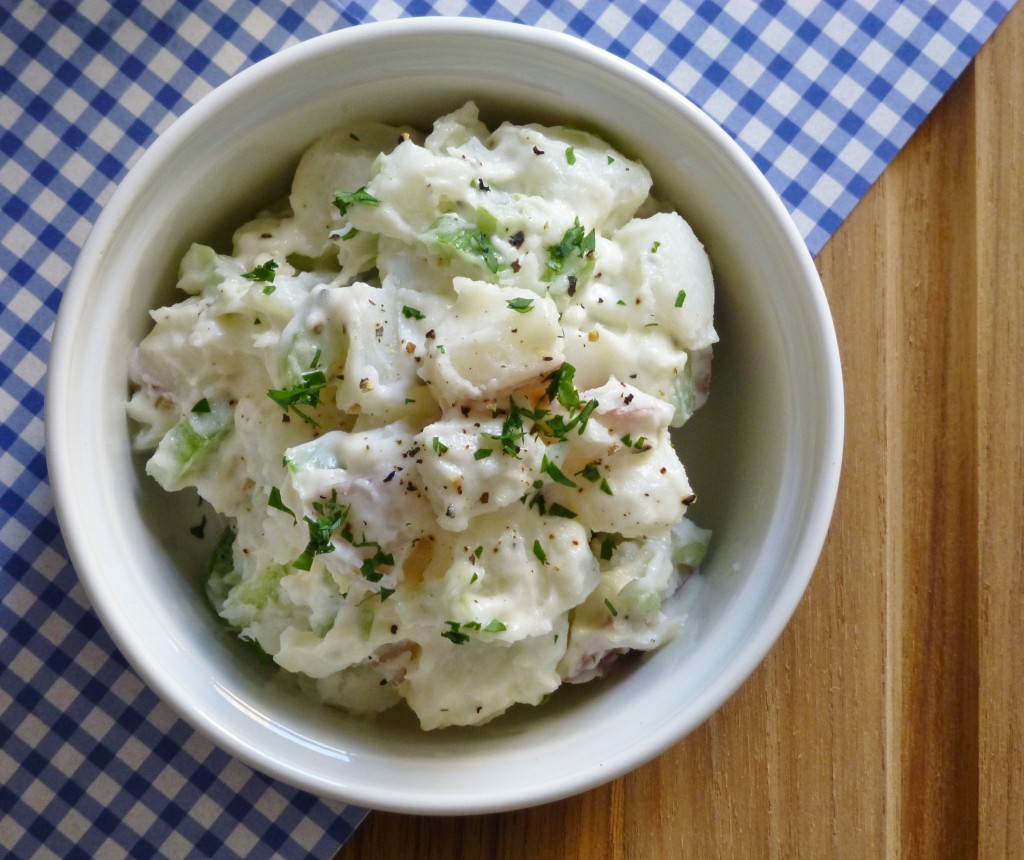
(888, 720)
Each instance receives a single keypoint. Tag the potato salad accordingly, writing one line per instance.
(430, 395)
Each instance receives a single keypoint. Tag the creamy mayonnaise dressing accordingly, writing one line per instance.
(431, 395)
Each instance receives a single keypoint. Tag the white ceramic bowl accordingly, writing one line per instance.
(764, 453)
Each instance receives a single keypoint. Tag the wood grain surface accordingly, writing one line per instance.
(888, 721)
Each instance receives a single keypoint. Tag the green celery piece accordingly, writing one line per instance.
(189, 444)
(689, 544)
(262, 588)
(455, 236)
(201, 270)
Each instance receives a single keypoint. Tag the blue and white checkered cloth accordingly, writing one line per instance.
(822, 95)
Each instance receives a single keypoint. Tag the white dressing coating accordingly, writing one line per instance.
(431, 395)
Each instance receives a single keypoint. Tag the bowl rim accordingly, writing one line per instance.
(58, 421)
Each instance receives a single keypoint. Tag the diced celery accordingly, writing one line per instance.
(189, 444)
(486, 221)
(324, 263)
(366, 619)
(689, 544)
(309, 456)
(455, 236)
(201, 270)
(633, 597)
(303, 352)
(262, 588)
(683, 395)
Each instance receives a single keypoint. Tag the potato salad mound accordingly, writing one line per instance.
(431, 396)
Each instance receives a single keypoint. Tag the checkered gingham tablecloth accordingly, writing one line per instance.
(822, 95)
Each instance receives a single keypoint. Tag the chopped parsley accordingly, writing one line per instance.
(521, 304)
(344, 199)
(454, 635)
(262, 272)
(306, 392)
(570, 155)
(558, 427)
(370, 568)
(576, 241)
(482, 453)
(412, 313)
(641, 443)
(331, 516)
(455, 628)
(680, 298)
(608, 545)
(561, 387)
(557, 475)
(202, 407)
(438, 445)
(274, 501)
(591, 473)
(512, 431)
(453, 233)
(654, 247)
(538, 551)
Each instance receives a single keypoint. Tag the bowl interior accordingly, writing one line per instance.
(763, 454)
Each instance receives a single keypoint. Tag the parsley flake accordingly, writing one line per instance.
(608, 544)
(576, 242)
(331, 516)
(344, 199)
(370, 568)
(263, 272)
(557, 510)
(680, 298)
(453, 634)
(521, 304)
(551, 469)
(591, 473)
(412, 313)
(538, 551)
(570, 155)
(274, 501)
(512, 431)
(304, 393)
